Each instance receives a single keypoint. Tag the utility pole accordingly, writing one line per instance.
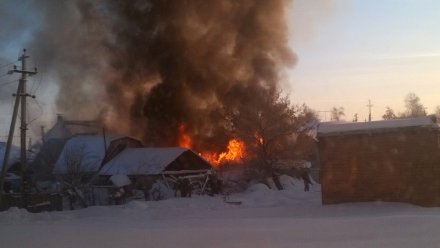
(369, 110)
(9, 142)
(20, 99)
(23, 126)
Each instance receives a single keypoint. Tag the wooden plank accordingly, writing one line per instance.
(183, 172)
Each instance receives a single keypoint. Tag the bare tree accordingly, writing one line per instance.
(437, 111)
(355, 117)
(75, 174)
(73, 159)
(389, 114)
(268, 128)
(337, 113)
(413, 106)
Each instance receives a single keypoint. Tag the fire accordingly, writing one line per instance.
(235, 153)
(184, 138)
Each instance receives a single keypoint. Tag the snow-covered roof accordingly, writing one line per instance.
(341, 127)
(67, 128)
(146, 161)
(58, 131)
(14, 155)
(89, 148)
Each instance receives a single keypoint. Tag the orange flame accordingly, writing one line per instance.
(235, 153)
(235, 150)
(184, 138)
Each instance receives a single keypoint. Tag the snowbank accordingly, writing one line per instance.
(267, 218)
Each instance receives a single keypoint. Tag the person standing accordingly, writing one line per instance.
(306, 178)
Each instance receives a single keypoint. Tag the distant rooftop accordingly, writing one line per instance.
(67, 128)
(326, 128)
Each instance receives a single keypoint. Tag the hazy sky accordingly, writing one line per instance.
(349, 51)
(353, 50)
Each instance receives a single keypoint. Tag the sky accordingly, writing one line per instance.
(349, 52)
(13, 40)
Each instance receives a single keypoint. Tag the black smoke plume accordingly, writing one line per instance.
(148, 66)
(188, 61)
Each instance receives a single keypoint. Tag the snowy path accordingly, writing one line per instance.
(266, 219)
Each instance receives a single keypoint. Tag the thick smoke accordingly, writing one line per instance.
(148, 66)
(68, 47)
(187, 61)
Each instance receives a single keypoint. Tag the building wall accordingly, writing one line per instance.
(188, 161)
(400, 165)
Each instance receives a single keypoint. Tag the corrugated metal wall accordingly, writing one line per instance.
(398, 165)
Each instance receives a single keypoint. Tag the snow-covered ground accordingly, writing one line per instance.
(266, 218)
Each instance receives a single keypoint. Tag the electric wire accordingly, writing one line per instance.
(39, 83)
(41, 111)
(8, 82)
(8, 64)
(2, 75)
(11, 109)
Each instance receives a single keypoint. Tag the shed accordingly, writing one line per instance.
(154, 161)
(395, 160)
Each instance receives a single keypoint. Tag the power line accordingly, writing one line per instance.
(2, 75)
(2, 66)
(40, 109)
(32, 87)
(38, 87)
(6, 65)
(8, 82)
(39, 82)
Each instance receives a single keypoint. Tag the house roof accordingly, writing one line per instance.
(327, 128)
(67, 128)
(89, 148)
(82, 127)
(48, 154)
(146, 161)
